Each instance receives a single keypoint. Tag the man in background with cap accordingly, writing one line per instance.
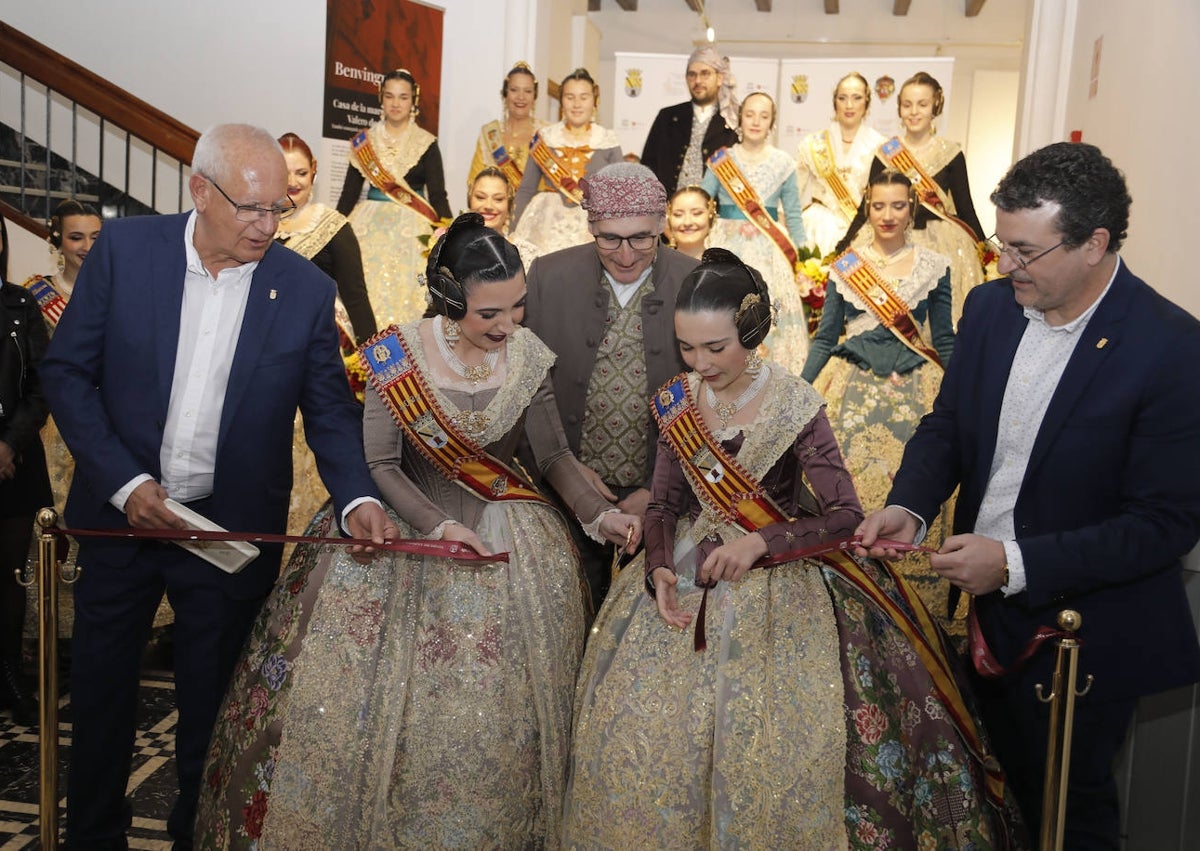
(619, 346)
(684, 136)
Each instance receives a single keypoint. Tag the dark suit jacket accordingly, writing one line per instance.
(567, 305)
(668, 139)
(1111, 497)
(111, 362)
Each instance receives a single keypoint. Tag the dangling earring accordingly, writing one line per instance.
(739, 132)
(451, 330)
(60, 262)
(753, 362)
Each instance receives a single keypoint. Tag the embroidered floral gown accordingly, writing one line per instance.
(542, 216)
(416, 702)
(824, 222)
(808, 723)
(774, 179)
(390, 234)
(878, 389)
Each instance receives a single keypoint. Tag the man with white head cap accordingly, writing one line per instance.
(607, 311)
(684, 136)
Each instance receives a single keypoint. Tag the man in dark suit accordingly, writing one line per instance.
(176, 372)
(684, 136)
(1075, 440)
(608, 312)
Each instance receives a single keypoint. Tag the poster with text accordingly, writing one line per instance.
(365, 39)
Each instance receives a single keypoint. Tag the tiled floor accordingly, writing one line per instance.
(151, 783)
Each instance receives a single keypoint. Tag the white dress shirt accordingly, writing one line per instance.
(624, 292)
(210, 322)
(1036, 370)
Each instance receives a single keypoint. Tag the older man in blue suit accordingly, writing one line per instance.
(176, 372)
(1069, 421)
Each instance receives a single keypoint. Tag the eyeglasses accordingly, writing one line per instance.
(252, 212)
(1015, 255)
(638, 242)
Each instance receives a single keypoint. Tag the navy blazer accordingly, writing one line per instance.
(1110, 502)
(111, 362)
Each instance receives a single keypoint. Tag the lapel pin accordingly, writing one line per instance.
(273, 294)
(1100, 344)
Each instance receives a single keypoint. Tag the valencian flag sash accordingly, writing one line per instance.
(716, 477)
(500, 155)
(49, 300)
(932, 198)
(389, 184)
(822, 153)
(720, 482)
(872, 288)
(746, 197)
(413, 406)
(556, 172)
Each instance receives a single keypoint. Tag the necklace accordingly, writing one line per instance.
(726, 411)
(473, 374)
(884, 260)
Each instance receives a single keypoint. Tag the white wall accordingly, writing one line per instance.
(1144, 117)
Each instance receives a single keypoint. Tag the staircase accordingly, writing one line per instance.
(68, 133)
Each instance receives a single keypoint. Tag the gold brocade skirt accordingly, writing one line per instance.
(410, 703)
(872, 418)
(392, 258)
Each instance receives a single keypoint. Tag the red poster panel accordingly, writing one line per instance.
(365, 39)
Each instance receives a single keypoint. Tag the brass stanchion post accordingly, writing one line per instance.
(1062, 719)
(47, 580)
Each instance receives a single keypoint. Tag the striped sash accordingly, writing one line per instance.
(399, 383)
(746, 197)
(390, 185)
(555, 172)
(49, 300)
(822, 153)
(932, 198)
(500, 155)
(716, 477)
(892, 313)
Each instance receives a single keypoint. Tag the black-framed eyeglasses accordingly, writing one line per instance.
(253, 212)
(638, 242)
(1015, 255)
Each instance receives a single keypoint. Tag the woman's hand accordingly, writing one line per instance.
(465, 535)
(729, 562)
(624, 530)
(668, 603)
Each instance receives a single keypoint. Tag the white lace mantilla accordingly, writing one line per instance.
(928, 268)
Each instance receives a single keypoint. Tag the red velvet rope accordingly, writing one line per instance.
(444, 549)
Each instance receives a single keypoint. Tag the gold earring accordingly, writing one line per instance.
(451, 330)
(753, 362)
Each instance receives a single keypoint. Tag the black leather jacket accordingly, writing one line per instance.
(23, 408)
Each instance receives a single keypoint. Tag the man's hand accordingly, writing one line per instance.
(636, 502)
(368, 520)
(892, 523)
(972, 562)
(145, 508)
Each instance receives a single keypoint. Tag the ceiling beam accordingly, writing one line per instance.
(831, 7)
(900, 7)
(974, 7)
(763, 5)
(628, 5)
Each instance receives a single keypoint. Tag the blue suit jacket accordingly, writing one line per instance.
(111, 362)
(1110, 501)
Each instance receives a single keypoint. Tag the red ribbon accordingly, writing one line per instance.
(700, 641)
(443, 549)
